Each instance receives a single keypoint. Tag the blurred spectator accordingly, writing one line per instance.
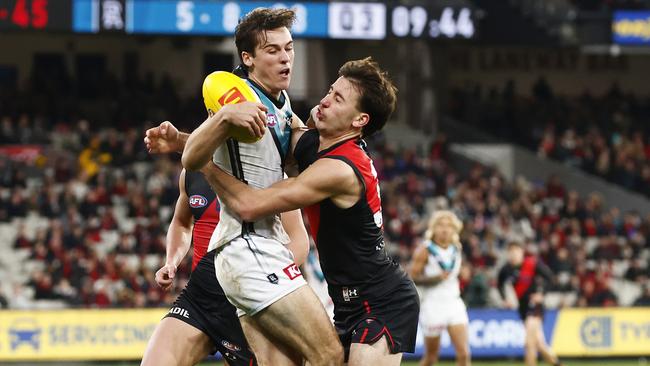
(644, 298)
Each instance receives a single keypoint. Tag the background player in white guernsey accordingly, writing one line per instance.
(434, 268)
(256, 270)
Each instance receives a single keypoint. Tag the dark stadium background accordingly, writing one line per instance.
(530, 119)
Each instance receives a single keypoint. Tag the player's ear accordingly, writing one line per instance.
(361, 120)
(247, 58)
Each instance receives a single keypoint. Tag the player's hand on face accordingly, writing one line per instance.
(165, 276)
(163, 139)
(248, 115)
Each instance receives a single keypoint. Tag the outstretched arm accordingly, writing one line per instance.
(165, 138)
(326, 178)
(179, 237)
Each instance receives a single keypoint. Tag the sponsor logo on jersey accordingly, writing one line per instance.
(231, 346)
(180, 311)
(292, 271)
(270, 120)
(273, 278)
(350, 293)
(198, 201)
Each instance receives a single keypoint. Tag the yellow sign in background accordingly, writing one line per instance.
(602, 332)
(76, 334)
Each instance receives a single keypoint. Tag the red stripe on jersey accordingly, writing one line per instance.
(202, 232)
(313, 217)
(526, 276)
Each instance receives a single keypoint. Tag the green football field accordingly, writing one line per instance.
(627, 362)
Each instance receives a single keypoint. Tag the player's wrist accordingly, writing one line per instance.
(181, 140)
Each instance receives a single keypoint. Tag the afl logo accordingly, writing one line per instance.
(270, 120)
(231, 346)
(198, 201)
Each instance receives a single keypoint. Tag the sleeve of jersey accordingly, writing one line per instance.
(306, 149)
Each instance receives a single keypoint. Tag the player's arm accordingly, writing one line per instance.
(416, 270)
(179, 237)
(501, 281)
(165, 138)
(326, 178)
(214, 131)
(295, 227)
(544, 271)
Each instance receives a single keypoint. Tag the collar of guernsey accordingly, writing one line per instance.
(281, 136)
(435, 252)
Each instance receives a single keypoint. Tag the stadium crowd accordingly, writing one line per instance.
(87, 207)
(603, 135)
(90, 213)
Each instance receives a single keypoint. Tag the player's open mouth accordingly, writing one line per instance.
(319, 115)
(285, 72)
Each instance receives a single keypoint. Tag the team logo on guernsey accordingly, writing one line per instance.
(270, 120)
(292, 271)
(231, 346)
(273, 278)
(198, 201)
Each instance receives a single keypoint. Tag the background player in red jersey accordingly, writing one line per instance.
(376, 306)
(201, 321)
(528, 276)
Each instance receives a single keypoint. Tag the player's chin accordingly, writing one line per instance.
(283, 82)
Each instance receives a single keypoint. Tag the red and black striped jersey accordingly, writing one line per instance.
(350, 241)
(205, 208)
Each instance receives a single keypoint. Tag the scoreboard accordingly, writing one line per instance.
(338, 20)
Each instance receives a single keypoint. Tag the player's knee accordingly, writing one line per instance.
(462, 354)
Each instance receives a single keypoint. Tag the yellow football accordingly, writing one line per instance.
(221, 88)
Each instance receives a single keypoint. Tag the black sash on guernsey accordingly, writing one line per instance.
(238, 172)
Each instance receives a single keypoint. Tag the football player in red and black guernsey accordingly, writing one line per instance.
(376, 305)
(201, 321)
(528, 277)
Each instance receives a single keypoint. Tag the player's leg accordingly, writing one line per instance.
(460, 340)
(267, 351)
(299, 321)
(431, 351)
(531, 325)
(545, 351)
(262, 281)
(176, 343)
(375, 354)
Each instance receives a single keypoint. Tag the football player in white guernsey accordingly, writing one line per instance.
(434, 268)
(283, 319)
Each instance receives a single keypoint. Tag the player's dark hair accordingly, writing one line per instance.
(251, 30)
(377, 93)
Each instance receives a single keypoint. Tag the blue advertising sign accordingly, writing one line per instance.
(492, 333)
(631, 27)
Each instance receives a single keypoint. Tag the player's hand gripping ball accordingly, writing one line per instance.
(221, 88)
